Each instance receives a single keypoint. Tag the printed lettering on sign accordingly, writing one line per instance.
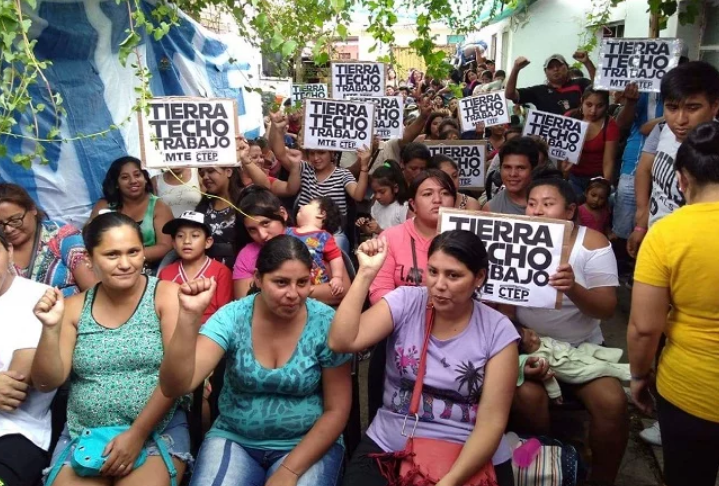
(523, 253)
(350, 79)
(337, 125)
(470, 156)
(189, 132)
(640, 61)
(389, 115)
(564, 135)
(490, 109)
(302, 91)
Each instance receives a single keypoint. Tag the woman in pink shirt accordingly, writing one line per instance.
(408, 242)
(264, 217)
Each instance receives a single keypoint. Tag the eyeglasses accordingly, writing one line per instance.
(15, 222)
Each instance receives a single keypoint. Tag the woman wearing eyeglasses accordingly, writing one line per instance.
(45, 251)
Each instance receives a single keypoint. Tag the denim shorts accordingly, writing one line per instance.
(176, 437)
(222, 462)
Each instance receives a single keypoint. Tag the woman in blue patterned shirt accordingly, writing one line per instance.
(286, 395)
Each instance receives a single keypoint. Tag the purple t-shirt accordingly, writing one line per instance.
(455, 373)
(246, 261)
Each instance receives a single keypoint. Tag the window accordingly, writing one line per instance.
(504, 52)
(613, 30)
(493, 49)
(345, 56)
(709, 46)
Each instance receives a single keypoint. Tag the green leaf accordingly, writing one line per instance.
(288, 48)
(322, 58)
(53, 133)
(276, 41)
(342, 31)
(337, 5)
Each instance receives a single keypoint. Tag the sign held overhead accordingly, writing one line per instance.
(640, 61)
(523, 253)
(337, 125)
(564, 135)
(389, 115)
(302, 91)
(470, 156)
(489, 108)
(351, 79)
(189, 132)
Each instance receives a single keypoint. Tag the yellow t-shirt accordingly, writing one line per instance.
(681, 252)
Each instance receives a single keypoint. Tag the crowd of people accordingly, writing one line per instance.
(257, 284)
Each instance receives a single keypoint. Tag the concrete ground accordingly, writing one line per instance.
(642, 463)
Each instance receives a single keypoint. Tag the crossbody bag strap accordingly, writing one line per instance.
(417, 392)
(167, 459)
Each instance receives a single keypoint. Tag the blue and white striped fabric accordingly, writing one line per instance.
(81, 39)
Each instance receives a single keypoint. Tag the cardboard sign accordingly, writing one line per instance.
(337, 125)
(350, 79)
(302, 91)
(470, 156)
(640, 61)
(189, 132)
(389, 119)
(490, 109)
(523, 253)
(565, 136)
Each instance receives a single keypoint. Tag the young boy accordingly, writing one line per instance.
(190, 239)
(691, 96)
(316, 222)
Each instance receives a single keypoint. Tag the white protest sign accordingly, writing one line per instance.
(337, 125)
(189, 132)
(490, 109)
(470, 156)
(351, 79)
(523, 253)
(640, 61)
(564, 135)
(302, 91)
(388, 122)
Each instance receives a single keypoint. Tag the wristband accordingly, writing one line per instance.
(639, 229)
(639, 378)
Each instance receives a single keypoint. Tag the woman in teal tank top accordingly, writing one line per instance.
(109, 341)
(286, 395)
(127, 189)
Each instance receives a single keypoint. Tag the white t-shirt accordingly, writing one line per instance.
(20, 329)
(592, 268)
(388, 216)
(666, 196)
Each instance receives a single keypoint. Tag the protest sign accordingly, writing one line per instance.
(389, 115)
(470, 156)
(490, 109)
(337, 125)
(189, 132)
(523, 253)
(564, 135)
(302, 91)
(640, 61)
(351, 79)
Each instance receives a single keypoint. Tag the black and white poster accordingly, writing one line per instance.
(489, 108)
(389, 115)
(337, 125)
(313, 90)
(470, 156)
(564, 135)
(640, 61)
(523, 253)
(189, 132)
(350, 79)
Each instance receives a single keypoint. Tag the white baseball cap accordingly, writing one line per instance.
(192, 217)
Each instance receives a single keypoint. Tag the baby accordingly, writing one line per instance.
(569, 364)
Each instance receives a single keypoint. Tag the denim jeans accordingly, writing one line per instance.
(342, 241)
(579, 184)
(222, 462)
(625, 207)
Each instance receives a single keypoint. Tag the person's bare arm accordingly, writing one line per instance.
(583, 57)
(292, 186)
(277, 139)
(359, 190)
(99, 206)
(642, 190)
(84, 277)
(647, 128)
(492, 415)
(242, 287)
(337, 399)
(510, 90)
(627, 114)
(417, 126)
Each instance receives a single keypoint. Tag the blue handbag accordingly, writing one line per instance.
(87, 458)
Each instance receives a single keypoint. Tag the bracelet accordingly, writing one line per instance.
(290, 470)
(639, 229)
(639, 378)
(361, 170)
